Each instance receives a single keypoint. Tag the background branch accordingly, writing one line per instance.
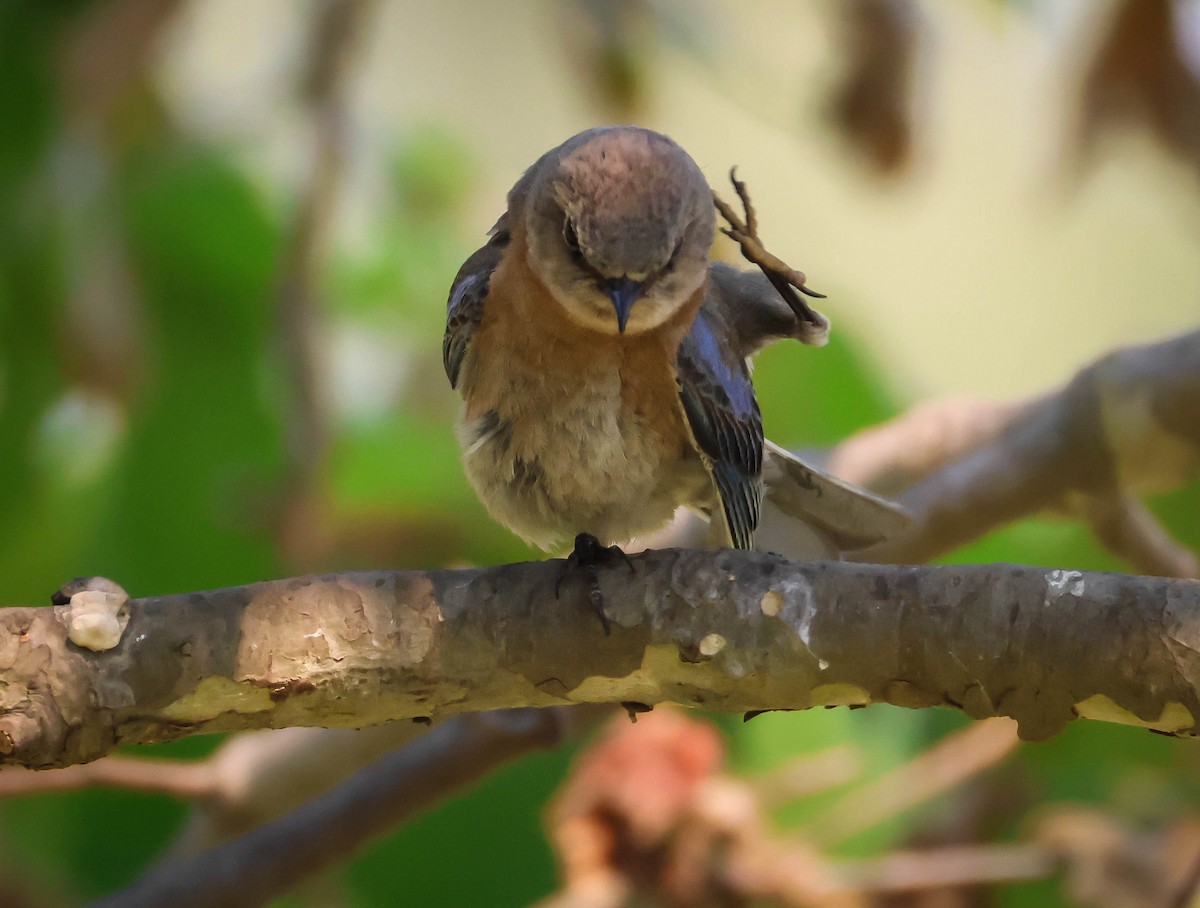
(1126, 425)
(272, 858)
(335, 31)
(945, 765)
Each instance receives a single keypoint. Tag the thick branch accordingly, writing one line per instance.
(729, 631)
(1125, 425)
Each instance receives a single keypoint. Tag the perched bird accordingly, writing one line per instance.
(603, 362)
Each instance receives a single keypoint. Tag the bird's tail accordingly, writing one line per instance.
(807, 513)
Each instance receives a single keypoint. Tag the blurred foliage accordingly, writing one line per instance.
(173, 478)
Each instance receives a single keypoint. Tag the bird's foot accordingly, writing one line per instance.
(786, 279)
(588, 556)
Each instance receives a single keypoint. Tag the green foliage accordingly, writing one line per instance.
(204, 443)
(818, 396)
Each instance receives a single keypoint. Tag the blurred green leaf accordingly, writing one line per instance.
(191, 502)
(817, 396)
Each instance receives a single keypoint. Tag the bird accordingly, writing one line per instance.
(603, 363)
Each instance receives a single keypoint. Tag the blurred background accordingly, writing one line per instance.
(227, 231)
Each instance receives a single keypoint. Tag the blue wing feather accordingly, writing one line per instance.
(468, 293)
(718, 400)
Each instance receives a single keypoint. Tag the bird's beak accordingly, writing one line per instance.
(624, 292)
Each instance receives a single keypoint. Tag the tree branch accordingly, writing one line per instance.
(948, 763)
(1126, 425)
(271, 859)
(734, 631)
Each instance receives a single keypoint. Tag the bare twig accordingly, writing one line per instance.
(261, 775)
(948, 763)
(951, 867)
(170, 777)
(1111, 863)
(808, 775)
(271, 859)
(929, 435)
(1126, 425)
(251, 779)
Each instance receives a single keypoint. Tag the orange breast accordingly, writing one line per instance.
(526, 332)
(571, 430)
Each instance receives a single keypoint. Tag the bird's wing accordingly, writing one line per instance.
(851, 517)
(464, 309)
(718, 400)
(756, 311)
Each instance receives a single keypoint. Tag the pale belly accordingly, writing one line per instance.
(575, 462)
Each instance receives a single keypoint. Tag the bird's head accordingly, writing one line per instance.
(620, 222)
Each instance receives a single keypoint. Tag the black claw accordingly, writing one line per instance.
(793, 299)
(755, 713)
(588, 555)
(62, 595)
(633, 709)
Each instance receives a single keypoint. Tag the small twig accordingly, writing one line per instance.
(951, 867)
(952, 760)
(177, 778)
(786, 279)
(808, 775)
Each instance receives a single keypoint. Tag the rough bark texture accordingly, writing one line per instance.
(732, 631)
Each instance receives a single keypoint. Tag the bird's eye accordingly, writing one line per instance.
(570, 237)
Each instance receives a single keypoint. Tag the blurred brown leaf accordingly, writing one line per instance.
(871, 106)
(1138, 77)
